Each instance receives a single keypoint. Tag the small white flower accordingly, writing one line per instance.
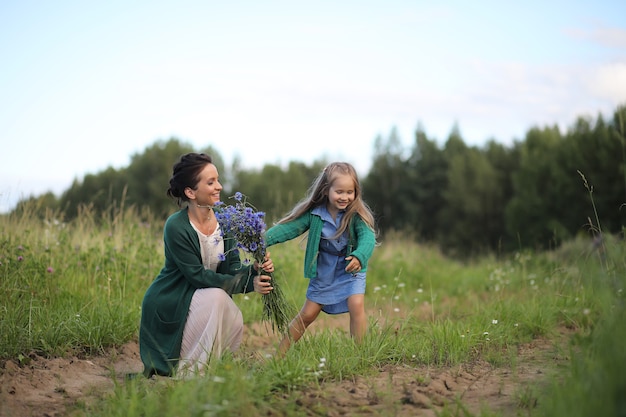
(321, 365)
(419, 290)
(463, 335)
(401, 285)
(516, 325)
(219, 379)
(485, 333)
(397, 310)
(494, 321)
(322, 359)
(376, 289)
(245, 297)
(586, 311)
(397, 297)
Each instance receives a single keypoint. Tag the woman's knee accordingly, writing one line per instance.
(213, 297)
(216, 303)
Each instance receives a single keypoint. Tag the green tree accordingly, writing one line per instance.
(101, 193)
(597, 152)
(505, 162)
(143, 184)
(426, 183)
(149, 172)
(41, 205)
(469, 219)
(453, 152)
(618, 130)
(533, 213)
(385, 185)
(274, 190)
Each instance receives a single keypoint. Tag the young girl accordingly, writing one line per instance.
(340, 241)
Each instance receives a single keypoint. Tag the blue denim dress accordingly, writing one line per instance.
(333, 285)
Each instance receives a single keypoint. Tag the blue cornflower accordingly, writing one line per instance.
(246, 227)
(242, 223)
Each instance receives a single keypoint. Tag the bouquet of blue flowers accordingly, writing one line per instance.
(247, 226)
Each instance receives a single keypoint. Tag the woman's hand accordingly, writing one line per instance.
(262, 284)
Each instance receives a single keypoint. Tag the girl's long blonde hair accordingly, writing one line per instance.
(317, 195)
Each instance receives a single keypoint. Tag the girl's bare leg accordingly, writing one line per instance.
(298, 325)
(358, 319)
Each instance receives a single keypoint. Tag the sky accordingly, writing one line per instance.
(85, 85)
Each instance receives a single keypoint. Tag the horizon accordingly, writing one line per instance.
(86, 86)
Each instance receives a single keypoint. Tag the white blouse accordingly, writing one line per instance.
(211, 247)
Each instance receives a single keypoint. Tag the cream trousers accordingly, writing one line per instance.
(214, 324)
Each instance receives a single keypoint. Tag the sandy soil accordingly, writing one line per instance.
(51, 387)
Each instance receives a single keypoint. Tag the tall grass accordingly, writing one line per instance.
(596, 382)
(77, 287)
(72, 286)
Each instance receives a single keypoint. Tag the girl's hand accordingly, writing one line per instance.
(354, 265)
(267, 265)
(262, 284)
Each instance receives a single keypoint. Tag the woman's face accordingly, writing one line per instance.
(208, 189)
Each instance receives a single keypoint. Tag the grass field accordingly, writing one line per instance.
(75, 290)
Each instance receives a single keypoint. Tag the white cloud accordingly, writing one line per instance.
(611, 37)
(609, 82)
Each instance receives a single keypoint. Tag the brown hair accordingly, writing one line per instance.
(186, 173)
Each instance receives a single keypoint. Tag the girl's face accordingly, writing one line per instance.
(208, 189)
(340, 194)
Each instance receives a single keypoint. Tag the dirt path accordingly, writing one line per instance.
(405, 391)
(50, 387)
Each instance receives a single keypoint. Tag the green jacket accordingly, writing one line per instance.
(166, 302)
(361, 240)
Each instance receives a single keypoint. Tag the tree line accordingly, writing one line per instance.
(468, 200)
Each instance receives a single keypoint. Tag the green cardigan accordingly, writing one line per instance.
(166, 302)
(361, 240)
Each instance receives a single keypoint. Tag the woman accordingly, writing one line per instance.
(188, 315)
